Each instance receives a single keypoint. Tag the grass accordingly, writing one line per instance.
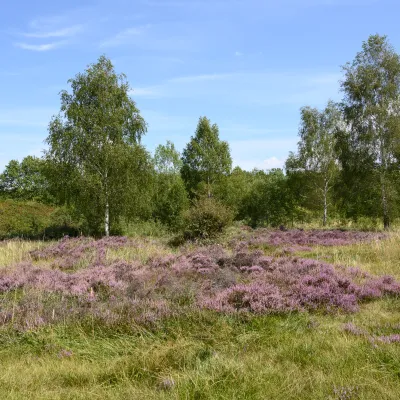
(205, 355)
(378, 257)
(14, 251)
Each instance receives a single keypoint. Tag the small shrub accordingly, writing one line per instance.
(206, 219)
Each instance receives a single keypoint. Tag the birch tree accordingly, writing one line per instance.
(371, 88)
(316, 152)
(94, 142)
(206, 159)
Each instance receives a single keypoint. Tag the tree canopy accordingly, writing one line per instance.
(206, 159)
(94, 144)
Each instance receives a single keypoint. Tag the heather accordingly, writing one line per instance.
(305, 238)
(85, 279)
(124, 317)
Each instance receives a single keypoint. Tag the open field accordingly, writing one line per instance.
(260, 315)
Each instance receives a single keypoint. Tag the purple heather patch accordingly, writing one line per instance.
(208, 277)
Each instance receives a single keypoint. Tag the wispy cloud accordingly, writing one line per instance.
(238, 54)
(51, 27)
(163, 37)
(39, 47)
(249, 88)
(125, 36)
(63, 32)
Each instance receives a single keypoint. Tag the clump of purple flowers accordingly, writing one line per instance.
(70, 252)
(297, 237)
(287, 284)
(346, 392)
(209, 277)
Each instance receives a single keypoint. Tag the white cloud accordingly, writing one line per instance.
(162, 37)
(39, 47)
(125, 36)
(273, 162)
(269, 163)
(238, 54)
(63, 32)
(250, 88)
(262, 153)
(48, 28)
(145, 92)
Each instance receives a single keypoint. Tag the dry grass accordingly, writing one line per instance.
(15, 251)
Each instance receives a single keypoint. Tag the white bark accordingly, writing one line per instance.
(107, 210)
(107, 220)
(325, 202)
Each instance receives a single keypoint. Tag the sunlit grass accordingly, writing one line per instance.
(14, 251)
(377, 257)
(205, 355)
(140, 251)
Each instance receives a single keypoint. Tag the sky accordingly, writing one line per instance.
(248, 65)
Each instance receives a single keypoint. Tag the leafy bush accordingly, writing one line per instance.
(206, 219)
(34, 220)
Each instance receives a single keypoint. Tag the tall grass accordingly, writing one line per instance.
(15, 251)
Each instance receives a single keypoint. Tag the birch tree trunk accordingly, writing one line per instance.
(385, 208)
(325, 217)
(107, 210)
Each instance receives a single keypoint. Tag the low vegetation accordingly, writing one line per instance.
(286, 314)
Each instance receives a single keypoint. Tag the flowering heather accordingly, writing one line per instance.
(286, 284)
(346, 393)
(293, 238)
(373, 339)
(354, 330)
(70, 252)
(259, 298)
(208, 277)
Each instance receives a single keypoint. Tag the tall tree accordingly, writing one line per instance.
(371, 89)
(316, 157)
(206, 159)
(94, 143)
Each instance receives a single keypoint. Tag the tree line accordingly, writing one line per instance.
(346, 165)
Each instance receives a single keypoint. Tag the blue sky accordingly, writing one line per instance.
(248, 65)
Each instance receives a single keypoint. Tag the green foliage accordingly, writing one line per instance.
(206, 219)
(170, 197)
(370, 145)
(96, 161)
(167, 159)
(25, 181)
(34, 220)
(268, 201)
(144, 228)
(233, 189)
(316, 163)
(206, 159)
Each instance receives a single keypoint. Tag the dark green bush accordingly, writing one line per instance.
(33, 220)
(206, 219)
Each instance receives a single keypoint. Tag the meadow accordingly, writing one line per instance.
(258, 314)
